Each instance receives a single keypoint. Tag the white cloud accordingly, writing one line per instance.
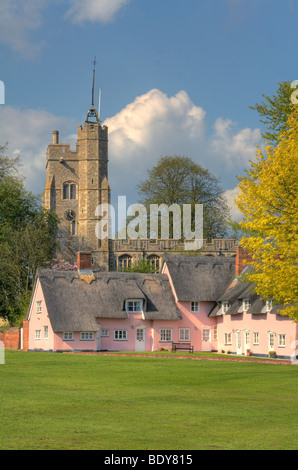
(17, 20)
(94, 10)
(28, 133)
(151, 126)
(155, 125)
(230, 196)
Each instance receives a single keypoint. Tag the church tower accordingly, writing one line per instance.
(77, 183)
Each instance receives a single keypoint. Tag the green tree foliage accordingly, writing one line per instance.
(274, 112)
(179, 180)
(141, 266)
(26, 239)
(269, 203)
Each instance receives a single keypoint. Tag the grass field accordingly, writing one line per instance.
(56, 401)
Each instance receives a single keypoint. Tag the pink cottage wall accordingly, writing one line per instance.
(38, 322)
(239, 325)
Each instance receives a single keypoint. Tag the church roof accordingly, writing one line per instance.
(74, 305)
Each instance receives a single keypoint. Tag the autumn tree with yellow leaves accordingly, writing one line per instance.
(269, 203)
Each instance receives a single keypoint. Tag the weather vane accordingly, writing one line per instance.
(92, 113)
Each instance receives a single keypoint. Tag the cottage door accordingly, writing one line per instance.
(140, 339)
(238, 343)
(206, 344)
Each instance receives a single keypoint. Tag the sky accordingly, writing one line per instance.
(176, 78)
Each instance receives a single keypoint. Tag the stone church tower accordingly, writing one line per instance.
(77, 182)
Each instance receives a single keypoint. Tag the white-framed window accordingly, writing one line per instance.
(37, 334)
(282, 341)
(215, 337)
(120, 335)
(134, 305)
(68, 336)
(39, 306)
(105, 333)
(86, 336)
(46, 332)
(225, 306)
(194, 306)
(269, 305)
(247, 337)
(256, 337)
(184, 334)
(245, 304)
(165, 334)
(228, 338)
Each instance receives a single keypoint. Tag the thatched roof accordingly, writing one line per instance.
(74, 305)
(200, 278)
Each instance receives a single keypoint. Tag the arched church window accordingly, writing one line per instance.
(69, 191)
(124, 261)
(154, 261)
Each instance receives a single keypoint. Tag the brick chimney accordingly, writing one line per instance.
(242, 260)
(84, 261)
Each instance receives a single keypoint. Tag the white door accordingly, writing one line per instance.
(270, 341)
(140, 339)
(238, 343)
(206, 343)
(98, 338)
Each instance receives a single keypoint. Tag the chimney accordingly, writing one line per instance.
(55, 137)
(84, 261)
(242, 260)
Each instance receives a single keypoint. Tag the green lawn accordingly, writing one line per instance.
(59, 401)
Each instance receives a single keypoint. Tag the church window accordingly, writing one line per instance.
(155, 262)
(124, 261)
(66, 191)
(73, 227)
(69, 191)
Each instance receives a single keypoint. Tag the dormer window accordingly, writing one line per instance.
(245, 305)
(269, 305)
(134, 305)
(225, 306)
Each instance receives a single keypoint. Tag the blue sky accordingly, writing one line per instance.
(176, 78)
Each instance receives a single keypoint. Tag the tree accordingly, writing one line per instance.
(141, 266)
(27, 239)
(269, 203)
(179, 180)
(274, 112)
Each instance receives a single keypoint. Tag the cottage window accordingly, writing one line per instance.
(120, 335)
(134, 305)
(247, 338)
(256, 337)
(67, 336)
(105, 333)
(282, 341)
(225, 307)
(215, 333)
(195, 306)
(165, 334)
(39, 306)
(86, 336)
(184, 334)
(46, 332)
(245, 305)
(228, 338)
(37, 334)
